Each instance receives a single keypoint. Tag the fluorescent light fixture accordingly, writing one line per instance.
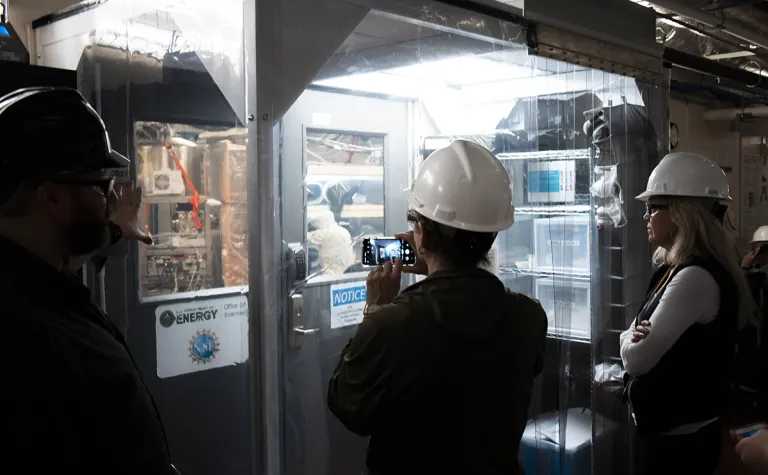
(733, 55)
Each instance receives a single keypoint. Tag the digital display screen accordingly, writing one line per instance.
(381, 250)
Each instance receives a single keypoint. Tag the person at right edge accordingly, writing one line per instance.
(678, 352)
(440, 376)
(72, 397)
(751, 368)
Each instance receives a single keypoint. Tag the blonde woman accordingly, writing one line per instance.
(678, 352)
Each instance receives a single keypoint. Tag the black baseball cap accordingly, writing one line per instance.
(51, 132)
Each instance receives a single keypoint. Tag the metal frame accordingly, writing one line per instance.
(471, 19)
(555, 43)
(254, 20)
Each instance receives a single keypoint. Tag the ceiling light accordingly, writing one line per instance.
(731, 55)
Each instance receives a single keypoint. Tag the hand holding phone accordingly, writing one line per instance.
(755, 257)
(752, 447)
(748, 431)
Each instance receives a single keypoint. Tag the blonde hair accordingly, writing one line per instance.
(699, 233)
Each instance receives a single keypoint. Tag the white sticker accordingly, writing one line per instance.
(347, 304)
(321, 119)
(196, 336)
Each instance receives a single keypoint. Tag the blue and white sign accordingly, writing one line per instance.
(347, 304)
(201, 335)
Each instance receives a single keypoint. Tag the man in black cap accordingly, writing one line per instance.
(73, 400)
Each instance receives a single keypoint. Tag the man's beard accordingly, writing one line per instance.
(87, 233)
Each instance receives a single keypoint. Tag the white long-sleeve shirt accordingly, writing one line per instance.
(691, 297)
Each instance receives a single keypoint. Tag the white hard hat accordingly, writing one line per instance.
(761, 235)
(464, 186)
(687, 174)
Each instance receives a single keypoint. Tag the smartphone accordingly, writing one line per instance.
(748, 431)
(377, 251)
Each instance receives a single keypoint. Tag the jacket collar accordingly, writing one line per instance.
(454, 274)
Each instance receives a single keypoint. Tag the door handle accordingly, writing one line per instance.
(298, 321)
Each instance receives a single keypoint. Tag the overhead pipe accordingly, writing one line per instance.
(712, 21)
(748, 80)
(734, 113)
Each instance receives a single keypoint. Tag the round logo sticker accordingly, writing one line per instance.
(203, 346)
(167, 318)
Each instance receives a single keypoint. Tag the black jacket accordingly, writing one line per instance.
(73, 400)
(441, 379)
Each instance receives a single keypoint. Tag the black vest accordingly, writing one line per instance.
(691, 381)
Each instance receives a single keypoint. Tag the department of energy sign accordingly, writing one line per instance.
(201, 335)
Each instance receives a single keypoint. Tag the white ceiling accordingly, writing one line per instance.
(23, 12)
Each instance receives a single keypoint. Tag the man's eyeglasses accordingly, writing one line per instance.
(105, 185)
(651, 208)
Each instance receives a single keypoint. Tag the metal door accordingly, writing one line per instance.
(348, 154)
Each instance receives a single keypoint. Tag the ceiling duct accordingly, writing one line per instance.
(729, 33)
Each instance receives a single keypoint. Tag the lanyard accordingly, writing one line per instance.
(659, 287)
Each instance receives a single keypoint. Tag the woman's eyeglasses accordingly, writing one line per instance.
(412, 218)
(651, 208)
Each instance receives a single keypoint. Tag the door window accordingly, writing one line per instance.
(345, 198)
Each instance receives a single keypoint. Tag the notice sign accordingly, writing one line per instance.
(347, 304)
(201, 335)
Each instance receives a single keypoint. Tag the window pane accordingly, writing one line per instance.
(345, 198)
(194, 207)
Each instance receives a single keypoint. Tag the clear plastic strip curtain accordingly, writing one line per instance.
(577, 143)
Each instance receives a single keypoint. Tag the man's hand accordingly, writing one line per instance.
(754, 452)
(125, 213)
(383, 283)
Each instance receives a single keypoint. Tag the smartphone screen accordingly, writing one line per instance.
(378, 251)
